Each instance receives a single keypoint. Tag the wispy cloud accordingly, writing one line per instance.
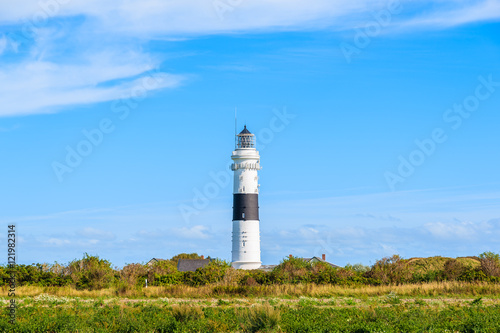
(344, 244)
(98, 78)
(79, 52)
(94, 233)
(195, 232)
(233, 68)
(466, 231)
(160, 18)
(381, 218)
(3, 44)
(457, 13)
(358, 228)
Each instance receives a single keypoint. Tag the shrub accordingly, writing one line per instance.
(212, 273)
(184, 313)
(472, 275)
(164, 273)
(453, 269)
(257, 277)
(390, 270)
(322, 273)
(358, 268)
(261, 319)
(490, 264)
(234, 276)
(347, 276)
(133, 275)
(292, 270)
(176, 258)
(429, 276)
(91, 273)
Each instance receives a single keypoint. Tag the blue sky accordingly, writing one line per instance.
(377, 123)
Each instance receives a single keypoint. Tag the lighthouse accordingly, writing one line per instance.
(246, 234)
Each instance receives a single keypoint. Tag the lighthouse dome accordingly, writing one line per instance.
(245, 139)
(245, 131)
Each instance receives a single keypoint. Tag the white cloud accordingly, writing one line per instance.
(160, 17)
(96, 234)
(351, 244)
(78, 50)
(464, 231)
(195, 232)
(464, 12)
(3, 44)
(57, 242)
(189, 16)
(51, 85)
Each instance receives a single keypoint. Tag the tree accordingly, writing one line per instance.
(453, 269)
(490, 263)
(164, 273)
(91, 272)
(390, 270)
(134, 274)
(185, 256)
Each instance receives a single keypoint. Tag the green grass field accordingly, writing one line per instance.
(433, 294)
(385, 310)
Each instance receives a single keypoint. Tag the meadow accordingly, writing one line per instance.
(394, 295)
(342, 311)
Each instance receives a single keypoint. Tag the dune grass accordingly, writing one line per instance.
(451, 289)
(155, 316)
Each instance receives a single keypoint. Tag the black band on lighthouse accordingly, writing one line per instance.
(245, 207)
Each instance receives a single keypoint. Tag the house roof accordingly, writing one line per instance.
(155, 260)
(191, 265)
(314, 259)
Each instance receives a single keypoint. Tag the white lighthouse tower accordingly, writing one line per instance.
(246, 234)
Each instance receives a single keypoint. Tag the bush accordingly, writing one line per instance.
(212, 273)
(323, 273)
(43, 275)
(164, 273)
(473, 275)
(134, 275)
(453, 269)
(390, 270)
(176, 258)
(91, 273)
(425, 277)
(292, 270)
(358, 268)
(490, 264)
(260, 319)
(257, 277)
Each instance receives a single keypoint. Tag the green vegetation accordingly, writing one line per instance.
(93, 273)
(75, 315)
